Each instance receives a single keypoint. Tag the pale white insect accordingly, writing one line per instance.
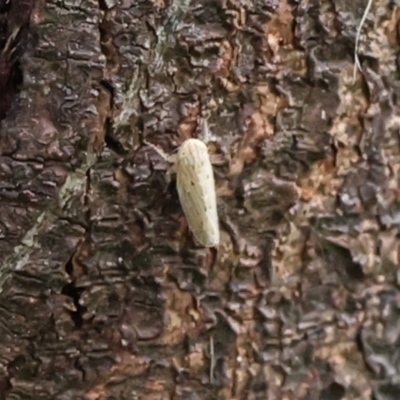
(196, 190)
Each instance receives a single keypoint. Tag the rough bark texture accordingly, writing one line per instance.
(103, 292)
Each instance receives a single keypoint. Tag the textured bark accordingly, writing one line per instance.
(103, 292)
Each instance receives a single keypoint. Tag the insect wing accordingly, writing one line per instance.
(196, 190)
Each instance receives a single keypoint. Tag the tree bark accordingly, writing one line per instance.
(104, 293)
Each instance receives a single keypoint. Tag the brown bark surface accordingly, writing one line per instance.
(104, 294)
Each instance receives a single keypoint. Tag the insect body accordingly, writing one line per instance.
(196, 190)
